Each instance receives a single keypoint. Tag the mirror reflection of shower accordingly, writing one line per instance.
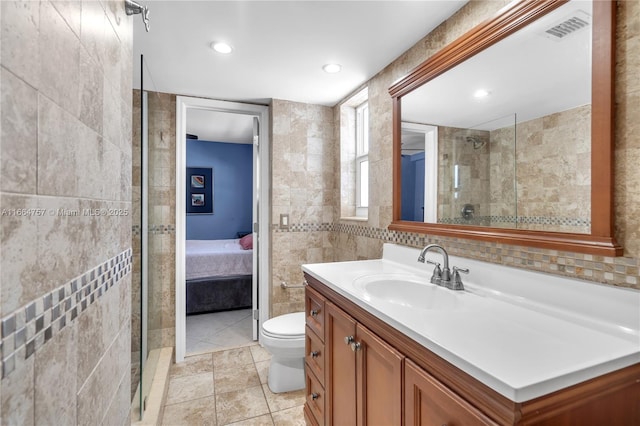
(476, 141)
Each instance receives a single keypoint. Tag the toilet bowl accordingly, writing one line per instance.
(283, 337)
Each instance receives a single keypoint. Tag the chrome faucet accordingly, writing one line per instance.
(439, 276)
(442, 277)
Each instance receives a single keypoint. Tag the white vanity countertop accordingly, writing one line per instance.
(524, 334)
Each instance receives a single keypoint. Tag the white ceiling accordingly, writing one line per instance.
(280, 46)
(217, 126)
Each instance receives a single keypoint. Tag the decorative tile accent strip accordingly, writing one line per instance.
(531, 220)
(304, 227)
(617, 271)
(26, 330)
(155, 229)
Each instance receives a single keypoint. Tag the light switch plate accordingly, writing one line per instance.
(284, 221)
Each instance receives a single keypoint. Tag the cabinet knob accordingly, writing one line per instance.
(348, 340)
(315, 312)
(315, 354)
(315, 396)
(355, 346)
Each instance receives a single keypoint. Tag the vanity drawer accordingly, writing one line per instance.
(314, 310)
(314, 354)
(315, 398)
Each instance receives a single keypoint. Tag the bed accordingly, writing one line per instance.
(218, 275)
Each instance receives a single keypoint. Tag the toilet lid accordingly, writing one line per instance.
(285, 325)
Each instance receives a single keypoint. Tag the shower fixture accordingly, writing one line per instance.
(133, 8)
(476, 141)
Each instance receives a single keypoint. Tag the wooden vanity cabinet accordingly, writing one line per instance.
(427, 402)
(383, 377)
(363, 374)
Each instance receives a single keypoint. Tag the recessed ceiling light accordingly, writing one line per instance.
(221, 47)
(481, 93)
(332, 68)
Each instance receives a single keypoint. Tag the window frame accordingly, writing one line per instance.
(362, 155)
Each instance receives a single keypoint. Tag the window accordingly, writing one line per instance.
(354, 156)
(362, 159)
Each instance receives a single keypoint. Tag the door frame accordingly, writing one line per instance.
(260, 216)
(430, 168)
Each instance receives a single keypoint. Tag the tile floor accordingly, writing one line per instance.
(228, 387)
(219, 330)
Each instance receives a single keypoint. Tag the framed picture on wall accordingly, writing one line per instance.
(197, 200)
(199, 190)
(197, 181)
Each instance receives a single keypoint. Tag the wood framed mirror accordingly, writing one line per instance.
(596, 234)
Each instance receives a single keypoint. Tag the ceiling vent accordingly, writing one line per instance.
(577, 22)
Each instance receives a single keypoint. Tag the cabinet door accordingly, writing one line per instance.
(340, 371)
(379, 380)
(429, 403)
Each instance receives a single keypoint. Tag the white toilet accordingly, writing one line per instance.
(283, 337)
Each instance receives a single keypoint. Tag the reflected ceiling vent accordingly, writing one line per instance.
(577, 21)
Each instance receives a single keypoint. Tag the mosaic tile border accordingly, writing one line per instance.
(616, 271)
(529, 220)
(304, 227)
(26, 330)
(154, 229)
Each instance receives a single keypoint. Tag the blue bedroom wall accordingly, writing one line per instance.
(412, 206)
(232, 166)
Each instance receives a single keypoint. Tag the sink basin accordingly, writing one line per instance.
(406, 290)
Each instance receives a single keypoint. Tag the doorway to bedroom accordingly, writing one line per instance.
(218, 268)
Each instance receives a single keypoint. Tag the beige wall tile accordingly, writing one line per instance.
(57, 40)
(57, 109)
(19, 134)
(18, 396)
(303, 165)
(55, 368)
(91, 89)
(20, 47)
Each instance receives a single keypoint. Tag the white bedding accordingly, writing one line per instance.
(217, 258)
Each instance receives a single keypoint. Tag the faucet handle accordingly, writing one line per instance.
(457, 281)
(436, 278)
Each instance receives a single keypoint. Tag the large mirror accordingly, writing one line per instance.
(505, 135)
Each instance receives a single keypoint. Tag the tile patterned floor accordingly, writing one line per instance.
(219, 330)
(228, 387)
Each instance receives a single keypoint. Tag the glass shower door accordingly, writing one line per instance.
(144, 358)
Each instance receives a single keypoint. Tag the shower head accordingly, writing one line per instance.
(476, 141)
(133, 8)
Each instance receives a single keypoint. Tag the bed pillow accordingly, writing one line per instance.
(246, 242)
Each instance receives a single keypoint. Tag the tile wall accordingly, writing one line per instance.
(474, 174)
(304, 160)
(553, 179)
(65, 195)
